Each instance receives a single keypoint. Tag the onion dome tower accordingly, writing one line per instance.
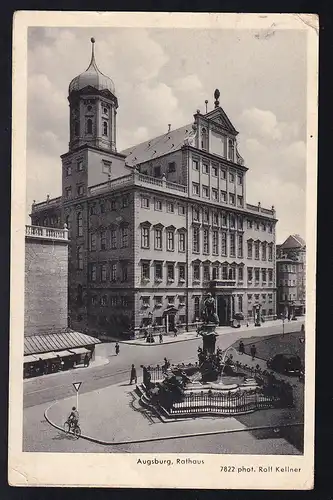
(93, 104)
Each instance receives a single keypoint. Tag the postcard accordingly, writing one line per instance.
(163, 250)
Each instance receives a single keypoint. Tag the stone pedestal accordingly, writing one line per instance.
(208, 338)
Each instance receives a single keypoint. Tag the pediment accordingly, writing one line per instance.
(218, 117)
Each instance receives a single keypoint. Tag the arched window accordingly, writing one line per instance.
(105, 128)
(89, 126)
(231, 149)
(79, 224)
(80, 258)
(204, 139)
(77, 127)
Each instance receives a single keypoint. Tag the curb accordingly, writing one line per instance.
(168, 438)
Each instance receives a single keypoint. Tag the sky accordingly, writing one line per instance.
(163, 76)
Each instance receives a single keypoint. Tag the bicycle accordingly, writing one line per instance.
(72, 428)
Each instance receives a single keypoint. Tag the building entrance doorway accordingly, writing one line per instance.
(223, 307)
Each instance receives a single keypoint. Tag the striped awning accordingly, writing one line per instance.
(37, 344)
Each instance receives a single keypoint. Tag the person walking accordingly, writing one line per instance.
(175, 331)
(133, 375)
(241, 348)
(253, 351)
(86, 360)
(117, 348)
(161, 338)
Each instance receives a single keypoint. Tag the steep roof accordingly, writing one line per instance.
(159, 146)
(293, 241)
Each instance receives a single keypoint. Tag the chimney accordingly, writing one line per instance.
(169, 125)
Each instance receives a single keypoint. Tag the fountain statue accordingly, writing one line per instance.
(207, 329)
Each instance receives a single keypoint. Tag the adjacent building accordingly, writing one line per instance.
(155, 227)
(291, 272)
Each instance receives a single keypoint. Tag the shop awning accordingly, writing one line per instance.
(30, 359)
(80, 350)
(47, 342)
(46, 355)
(62, 354)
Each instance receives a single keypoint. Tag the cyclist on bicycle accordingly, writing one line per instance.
(73, 418)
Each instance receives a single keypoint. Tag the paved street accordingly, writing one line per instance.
(39, 393)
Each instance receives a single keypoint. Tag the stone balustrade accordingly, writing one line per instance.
(46, 232)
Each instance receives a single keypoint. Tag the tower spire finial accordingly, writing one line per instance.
(217, 96)
(92, 39)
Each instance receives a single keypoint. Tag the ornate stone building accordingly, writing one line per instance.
(155, 227)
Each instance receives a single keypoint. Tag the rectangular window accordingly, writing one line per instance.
(181, 210)
(240, 303)
(103, 240)
(240, 273)
(224, 272)
(205, 191)
(196, 272)
(113, 275)
(205, 241)
(68, 191)
(256, 250)
(231, 198)
(214, 170)
(181, 270)
(102, 207)
(240, 201)
(181, 299)
(158, 271)
(104, 300)
(157, 171)
(240, 246)
(224, 220)
(124, 236)
(231, 177)
(196, 308)
(239, 180)
(205, 168)
(196, 240)
(103, 272)
(224, 244)
(170, 207)
(113, 205)
(206, 216)
(263, 275)
(171, 272)
(181, 242)
(249, 275)
(93, 242)
(195, 188)
(249, 224)
(144, 202)
(68, 170)
(249, 249)
(125, 201)
(215, 274)
(232, 221)
(171, 300)
(158, 301)
(196, 214)
(124, 273)
(172, 167)
(263, 226)
(223, 196)
(223, 174)
(195, 165)
(264, 250)
(270, 251)
(257, 275)
(270, 297)
(145, 268)
(215, 219)
(270, 228)
(113, 238)
(93, 272)
(158, 205)
(215, 242)
(124, 301)
(158, 239)
(80, 166)
(215, 194)
(232, 245)
(240, 223)
(113, 300)
(80, 190)
(206, 273)
(145, 231)
(270, 274)
(170, 241)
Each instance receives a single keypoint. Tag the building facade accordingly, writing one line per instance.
(155, 227)
(291, 273)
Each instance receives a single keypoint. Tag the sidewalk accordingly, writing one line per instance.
(220, 330)
(113, 416)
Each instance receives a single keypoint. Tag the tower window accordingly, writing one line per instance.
(89, 126)
(105, 128)
(89, 108)
(77, 127)
(105, 111)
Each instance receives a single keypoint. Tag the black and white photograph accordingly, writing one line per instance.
(164, 210)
